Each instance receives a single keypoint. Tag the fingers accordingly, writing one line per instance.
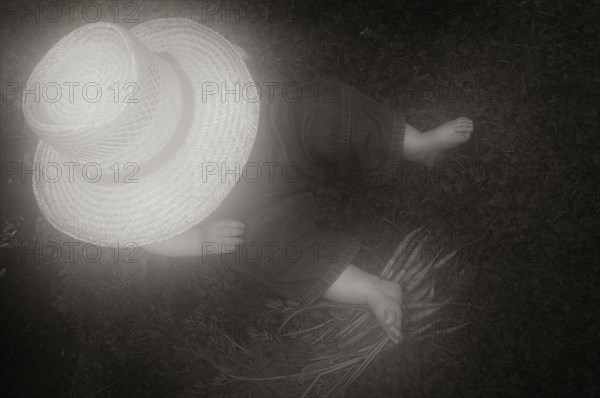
(231, 231)
(229, 227)
(233, 241)
(230, 223)
(227, 233)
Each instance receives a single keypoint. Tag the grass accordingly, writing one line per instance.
(327, 369)
(519, 203)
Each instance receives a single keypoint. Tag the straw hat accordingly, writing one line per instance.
(131, 149)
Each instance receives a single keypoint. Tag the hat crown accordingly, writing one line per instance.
(103, 97)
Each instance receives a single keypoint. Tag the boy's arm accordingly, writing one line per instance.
(187, 244)
(220, 235)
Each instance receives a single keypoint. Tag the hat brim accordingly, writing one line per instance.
(176, 197)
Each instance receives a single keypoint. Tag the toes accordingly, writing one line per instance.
(463, 125)
(463, 129)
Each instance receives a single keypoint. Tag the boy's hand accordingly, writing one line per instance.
(226, 234)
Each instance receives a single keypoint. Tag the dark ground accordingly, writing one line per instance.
(520, 200)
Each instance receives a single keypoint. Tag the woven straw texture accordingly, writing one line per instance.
(176, 197)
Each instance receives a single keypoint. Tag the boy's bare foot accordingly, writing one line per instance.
(451, 134)
(385, 300)
(429, 147)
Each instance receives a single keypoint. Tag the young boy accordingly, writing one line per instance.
(351, 285)
(155, 170)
